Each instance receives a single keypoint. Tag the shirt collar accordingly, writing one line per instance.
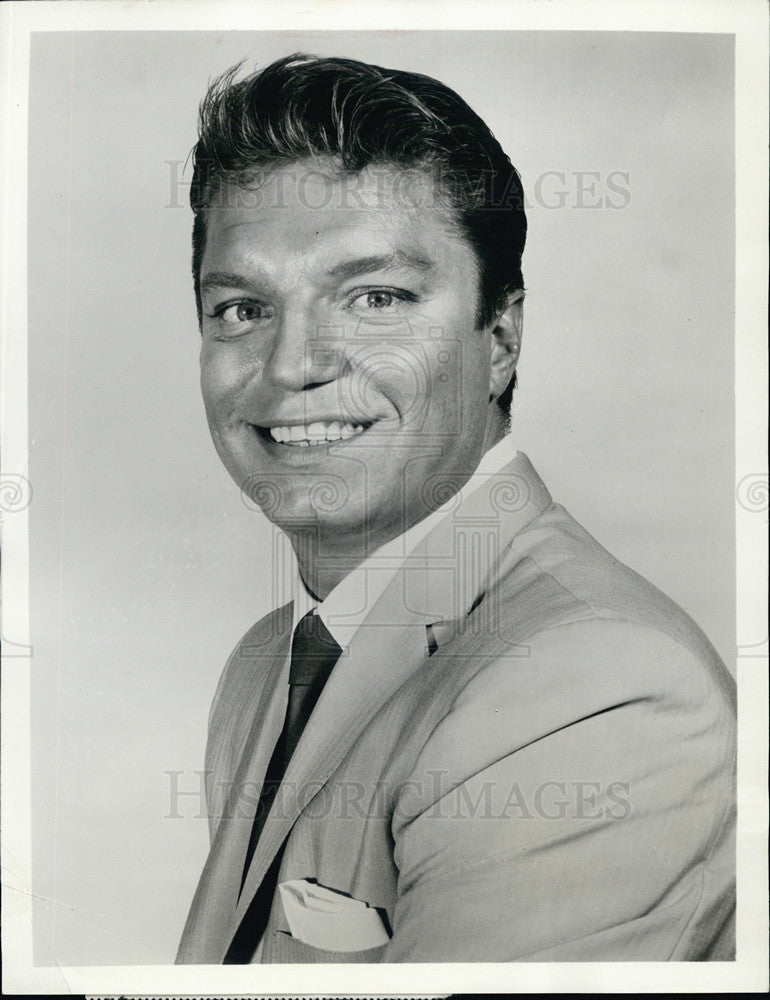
(439, 588)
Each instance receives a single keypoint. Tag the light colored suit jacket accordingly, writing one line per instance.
(555, 782)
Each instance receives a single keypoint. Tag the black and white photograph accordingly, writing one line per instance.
(384, 498)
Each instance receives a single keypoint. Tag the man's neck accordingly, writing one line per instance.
(325, 558)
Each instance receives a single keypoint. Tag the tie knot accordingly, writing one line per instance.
(314, 651)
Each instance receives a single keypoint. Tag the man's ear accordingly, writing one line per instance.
(506, 344)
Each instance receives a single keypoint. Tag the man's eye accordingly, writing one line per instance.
(380, 299)
(243, 312)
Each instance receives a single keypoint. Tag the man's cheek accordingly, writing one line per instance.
(212, 404)
(217, 386)
(208, 377)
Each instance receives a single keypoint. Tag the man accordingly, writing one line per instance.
(472, 735)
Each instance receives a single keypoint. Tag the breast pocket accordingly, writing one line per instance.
(289, 949)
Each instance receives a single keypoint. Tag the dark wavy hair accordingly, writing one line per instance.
(358, 115)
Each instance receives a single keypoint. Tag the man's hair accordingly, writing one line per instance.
(358, 115)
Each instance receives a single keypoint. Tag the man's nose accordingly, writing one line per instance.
(304, 352)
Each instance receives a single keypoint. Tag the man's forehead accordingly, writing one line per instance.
(311, 209)
(321, 186)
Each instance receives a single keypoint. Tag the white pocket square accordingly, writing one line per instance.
(324, 918)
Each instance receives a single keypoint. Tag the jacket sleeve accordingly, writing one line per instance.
(578, 806)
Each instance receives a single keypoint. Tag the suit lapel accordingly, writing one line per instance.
(378, 660)
(387, 649)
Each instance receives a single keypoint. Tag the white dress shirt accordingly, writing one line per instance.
(346, 607)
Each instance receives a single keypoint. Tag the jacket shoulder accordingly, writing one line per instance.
(556, 564)
(569, 633)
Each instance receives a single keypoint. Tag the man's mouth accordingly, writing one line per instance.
(317, 433)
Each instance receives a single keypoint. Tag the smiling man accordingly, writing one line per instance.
(340, 346)
(472, 735)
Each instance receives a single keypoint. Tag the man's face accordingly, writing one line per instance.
(344, 379)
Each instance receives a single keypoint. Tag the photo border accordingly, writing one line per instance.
(747, 20)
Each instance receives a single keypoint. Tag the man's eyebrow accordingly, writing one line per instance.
(223, 279)
(346, 269)
(380, 262)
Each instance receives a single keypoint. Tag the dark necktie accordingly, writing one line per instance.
(313, 656)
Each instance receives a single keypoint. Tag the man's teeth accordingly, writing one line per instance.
(316, 433)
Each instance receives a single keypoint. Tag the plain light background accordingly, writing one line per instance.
(146, 567)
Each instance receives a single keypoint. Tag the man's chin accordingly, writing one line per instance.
(322, 501)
